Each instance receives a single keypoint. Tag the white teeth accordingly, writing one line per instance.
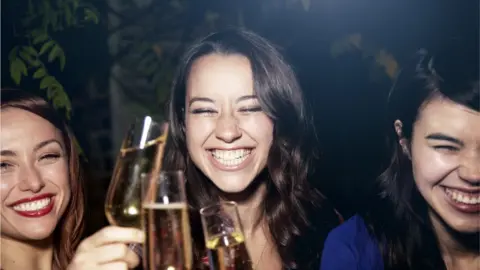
(463, 197)
(33, 206)
(231, 157)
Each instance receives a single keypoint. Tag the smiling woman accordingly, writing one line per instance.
(240, 129)
(42, 195)
(427, 216)
(41, 183)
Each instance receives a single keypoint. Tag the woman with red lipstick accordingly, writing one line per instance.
(428, 213)
(240, 129)
(42, 195)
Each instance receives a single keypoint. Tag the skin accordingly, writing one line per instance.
(451, 160)
(222, 112)
(38, 164)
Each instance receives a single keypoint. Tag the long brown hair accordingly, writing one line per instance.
(298, 216)
(68, 232)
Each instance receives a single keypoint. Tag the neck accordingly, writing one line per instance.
(36, 255)
(459, 250)
(250, 206)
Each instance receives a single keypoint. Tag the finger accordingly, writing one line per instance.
(114, 266)
(116, 252)
(112, 234)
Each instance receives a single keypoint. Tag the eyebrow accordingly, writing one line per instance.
(205, 99)
(39, 146)
(443, 137)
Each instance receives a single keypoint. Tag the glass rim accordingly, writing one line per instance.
(228, 203)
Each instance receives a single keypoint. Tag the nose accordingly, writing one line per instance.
(31, 180)
(470, 169)
(227, 128)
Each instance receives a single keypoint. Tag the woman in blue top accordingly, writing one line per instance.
(427, 214)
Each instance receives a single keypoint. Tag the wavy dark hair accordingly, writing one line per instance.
(400, 221)
(290, 205)
(68, 233)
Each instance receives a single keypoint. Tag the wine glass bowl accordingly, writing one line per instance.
(166, 222)
(138, 156)
(224, 237)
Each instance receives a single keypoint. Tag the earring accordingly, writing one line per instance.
(405, 150)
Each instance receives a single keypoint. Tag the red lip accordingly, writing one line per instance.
(34, 198)
(36, 213)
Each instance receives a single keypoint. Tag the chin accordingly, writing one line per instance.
(232, 187)
(465, 226)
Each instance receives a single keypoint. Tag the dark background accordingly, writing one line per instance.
(347, 93)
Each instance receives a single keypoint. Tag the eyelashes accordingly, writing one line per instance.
(447, 148)
(212, 111)
(50, 156)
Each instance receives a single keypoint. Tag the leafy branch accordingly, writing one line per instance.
(38, 49)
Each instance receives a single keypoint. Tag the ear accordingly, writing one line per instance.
(398, 125)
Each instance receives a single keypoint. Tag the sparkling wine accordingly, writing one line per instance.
(168, 243)
(123, 204)
(228, 252)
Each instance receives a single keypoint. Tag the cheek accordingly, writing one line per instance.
(430, 167)
(7, 182)
(197, 131)
(58, 174)
(261, 128)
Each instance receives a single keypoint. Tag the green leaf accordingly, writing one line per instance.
(46, 46)
(61, 58)
(76, 4)
(27, 57)
(40, 38)
(31, 50)
(39, 73)
(57, 52)
(306, 5)
(13, 54)
(53, 53)
(37, 32)
(47, 82)
(68, 16)
(17, 68)
(90, 15)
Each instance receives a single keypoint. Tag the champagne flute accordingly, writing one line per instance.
(165, 215)
(138, 155)
(224, 237)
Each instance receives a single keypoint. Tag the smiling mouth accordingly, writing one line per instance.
(470, 198)
(231, 158)
(33, 206)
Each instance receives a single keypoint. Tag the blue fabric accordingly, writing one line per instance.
(351, 247)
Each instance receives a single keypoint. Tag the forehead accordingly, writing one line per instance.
(22, 128)
(443, 115)
(220, 75)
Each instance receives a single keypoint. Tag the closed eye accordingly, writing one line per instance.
(251, 109)
(446, 148)
(50, 157)
(203, 111)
